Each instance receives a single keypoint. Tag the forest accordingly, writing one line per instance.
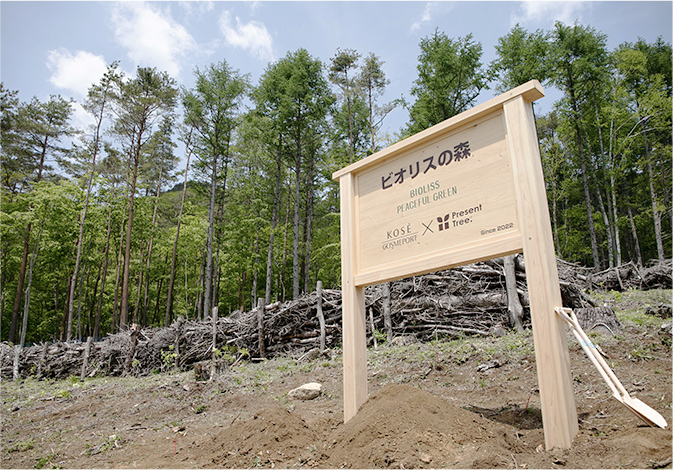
(178, 200)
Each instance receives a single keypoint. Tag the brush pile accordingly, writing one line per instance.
(470, 300)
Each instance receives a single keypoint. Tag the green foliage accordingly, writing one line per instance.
(450, 77)
(521, 56)
(260, 192)
(168, 357)
(380, 336)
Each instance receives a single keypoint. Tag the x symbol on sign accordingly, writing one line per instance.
(427, 227)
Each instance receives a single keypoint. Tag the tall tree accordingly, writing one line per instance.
(645, 74)
(373, 82)
(187, 139)
(139, 104)
(162, 160)
(578, 56)
(450, 77)
(39, 128)
(212, 109)
(96, 104)
(296, 94)
(342, 74)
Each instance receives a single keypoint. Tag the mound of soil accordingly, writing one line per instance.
(406, 427)
(272, 435)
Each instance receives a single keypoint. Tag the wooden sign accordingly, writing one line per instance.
(438, 204)
(467, 189)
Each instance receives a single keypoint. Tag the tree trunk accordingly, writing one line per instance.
(308, 228)
(274, 216)
(199, 297)
(99, 307)
(618, 246)
(283, 262)
(26, 302)
(216, 270)
(514, 306)
(136, 304)
(255, 264)
(608, 227)
(260, 327)
(160, 283)
(64, 315)
(653, 196)
(321, 316)
(295, 225)
(171, 282)
(85, 361)
(372, 328)
(80, 237)
(387, 319)
(123, 314)
(92, 295)
(555, 215)
(370, 99)
(297, 205)
(613, 193)
(241, 291)
(113, 324)
(350, 121)
(143, 318)
(19, 287)
(209, 242)
(607, 215)
(634, 234)
(594, 318)
(82, 278)
(132, 352)
(587, 201)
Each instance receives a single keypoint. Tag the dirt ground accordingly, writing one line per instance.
(467, 403)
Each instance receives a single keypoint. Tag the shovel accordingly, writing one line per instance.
(640, 409)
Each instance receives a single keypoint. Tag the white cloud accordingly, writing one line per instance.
(81, 119)
(426, 18)
(535, 11)
(254, 5)
(151, 36)
(201, 6)
(75, 72)
(252, 36)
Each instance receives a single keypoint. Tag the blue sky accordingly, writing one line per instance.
(63, 47)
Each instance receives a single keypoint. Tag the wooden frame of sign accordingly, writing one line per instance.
(468, 189)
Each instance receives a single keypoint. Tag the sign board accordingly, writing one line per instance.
(431, 203)
(467, 189)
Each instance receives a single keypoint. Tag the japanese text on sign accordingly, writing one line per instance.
(460, 152)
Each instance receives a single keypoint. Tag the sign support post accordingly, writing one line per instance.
(352, 307)
(559, 413)
(468, 189)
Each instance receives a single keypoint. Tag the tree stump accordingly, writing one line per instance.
(601, 319)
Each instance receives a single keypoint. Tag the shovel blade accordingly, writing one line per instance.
(644, 412)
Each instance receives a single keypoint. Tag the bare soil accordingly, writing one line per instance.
(466, 403)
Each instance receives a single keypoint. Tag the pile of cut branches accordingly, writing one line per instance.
(470, 300)
(657, 275)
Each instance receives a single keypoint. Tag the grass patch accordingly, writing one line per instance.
(630, 306)
(21, 446)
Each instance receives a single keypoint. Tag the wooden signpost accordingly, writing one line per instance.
(468, 189)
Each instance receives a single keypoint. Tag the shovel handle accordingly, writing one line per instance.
(587, 346)
(602, 362)
(642, 410)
